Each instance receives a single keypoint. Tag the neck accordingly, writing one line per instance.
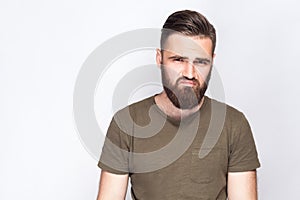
(164, 103)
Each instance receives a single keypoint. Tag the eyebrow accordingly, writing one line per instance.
(176, 56)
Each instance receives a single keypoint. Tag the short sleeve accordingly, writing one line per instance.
(115, 152)
(243, 154)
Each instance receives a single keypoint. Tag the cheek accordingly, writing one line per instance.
(202, 75)
(170, 75)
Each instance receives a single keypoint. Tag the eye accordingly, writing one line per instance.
(201, 62)
(178, 59)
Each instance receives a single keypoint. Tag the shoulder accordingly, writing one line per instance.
(138, 109)
(235, 123)
(231, 114)
(143, 104)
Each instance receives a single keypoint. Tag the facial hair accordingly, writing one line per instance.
(184, 97)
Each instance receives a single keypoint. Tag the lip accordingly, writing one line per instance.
(187, 82)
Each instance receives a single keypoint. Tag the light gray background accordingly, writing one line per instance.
(44, 43)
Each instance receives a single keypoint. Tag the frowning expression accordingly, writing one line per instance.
(186, 64)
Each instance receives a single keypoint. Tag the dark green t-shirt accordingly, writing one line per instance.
(178, 159)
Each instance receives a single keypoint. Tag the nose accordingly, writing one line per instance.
(189, 70)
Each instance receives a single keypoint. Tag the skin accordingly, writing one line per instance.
(242, 185)
(181, 57)
(112, 186)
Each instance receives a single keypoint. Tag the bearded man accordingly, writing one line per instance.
(180, 144)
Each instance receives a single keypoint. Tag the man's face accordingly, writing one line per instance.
(186, 64)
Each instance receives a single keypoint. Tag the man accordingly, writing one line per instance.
(180, 144)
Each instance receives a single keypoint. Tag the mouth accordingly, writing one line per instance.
(189, 83)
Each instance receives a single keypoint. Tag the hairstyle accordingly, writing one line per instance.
(189, 23)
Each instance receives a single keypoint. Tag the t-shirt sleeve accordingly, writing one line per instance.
(115, 152)
(243, 154)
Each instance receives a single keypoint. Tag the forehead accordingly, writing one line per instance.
(190, 46)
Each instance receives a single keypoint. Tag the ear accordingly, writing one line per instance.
(213, 58)
(158, 57)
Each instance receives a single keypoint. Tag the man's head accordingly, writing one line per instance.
(186, 56)
(188, 23)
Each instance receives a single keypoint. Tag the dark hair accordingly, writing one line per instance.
(189, 23)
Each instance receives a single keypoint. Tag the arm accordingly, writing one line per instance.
(242, 185)
(112, 186)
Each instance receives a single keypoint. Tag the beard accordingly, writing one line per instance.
(184, 97)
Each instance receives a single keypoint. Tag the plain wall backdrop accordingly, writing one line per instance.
(44, 43)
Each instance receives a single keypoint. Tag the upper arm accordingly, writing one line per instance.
(242, 185)
(243, 162)
(112, 186)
